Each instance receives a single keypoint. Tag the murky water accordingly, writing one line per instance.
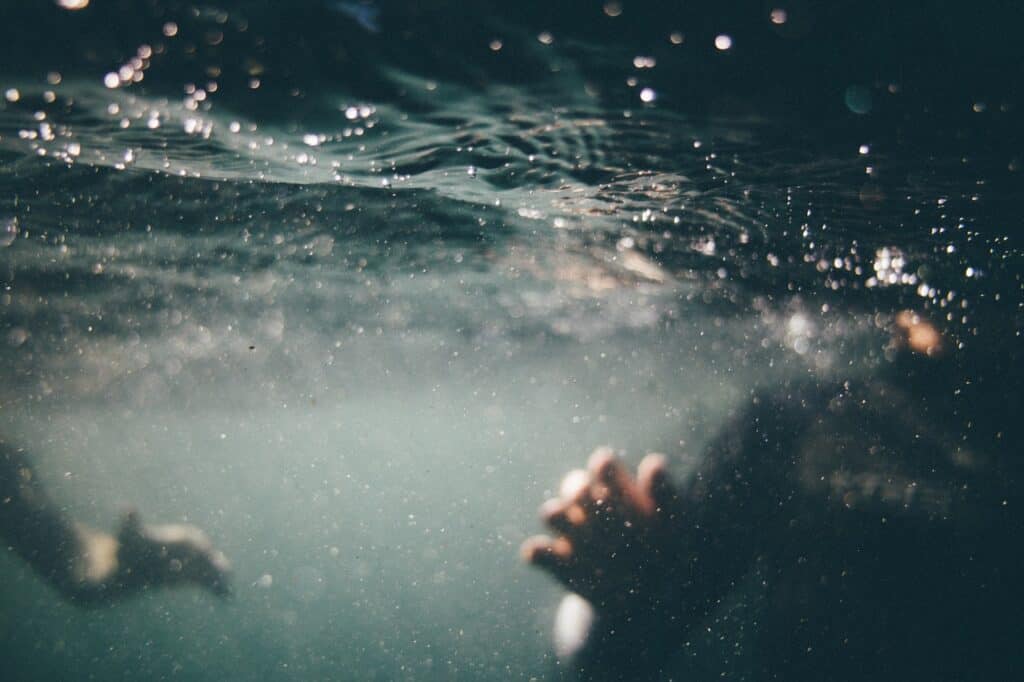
(350, 285)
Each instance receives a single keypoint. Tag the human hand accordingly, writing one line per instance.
(618, 543)
(166, 555)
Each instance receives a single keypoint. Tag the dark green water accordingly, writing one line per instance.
(351, 285)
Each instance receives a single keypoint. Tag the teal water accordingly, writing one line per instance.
(352, 292)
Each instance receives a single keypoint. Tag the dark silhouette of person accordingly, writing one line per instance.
(886, 546)
(88, 566)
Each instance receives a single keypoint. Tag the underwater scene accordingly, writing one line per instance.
(308, 308)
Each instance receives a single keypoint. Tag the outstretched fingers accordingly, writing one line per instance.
(655, 483)
(615, 488)
(554, 555)
(565, 517)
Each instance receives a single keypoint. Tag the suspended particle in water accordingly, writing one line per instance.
(676, 38)
(778, 16)
(613, 8)
(73, 4)
(496, 45)
(8, 231)
(857, 99)
(723, 42)
(170, 29)
(17, 337)
(545, 38)
(12, 94)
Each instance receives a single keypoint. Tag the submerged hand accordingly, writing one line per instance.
(618, 544)
(165, 555)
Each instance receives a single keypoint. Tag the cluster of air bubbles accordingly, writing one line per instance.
(132, 71)
(196, 96)
(889, 268)
(358, 112)
(799, 333)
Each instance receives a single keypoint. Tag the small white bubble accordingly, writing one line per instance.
(648, 95)
(864, 149)
(676, 38)
(545, 38)
(778, 16)
(12, 94)
(170, 29)
(311, 139)
(8, 231)
(111, 80)
(723, 42)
